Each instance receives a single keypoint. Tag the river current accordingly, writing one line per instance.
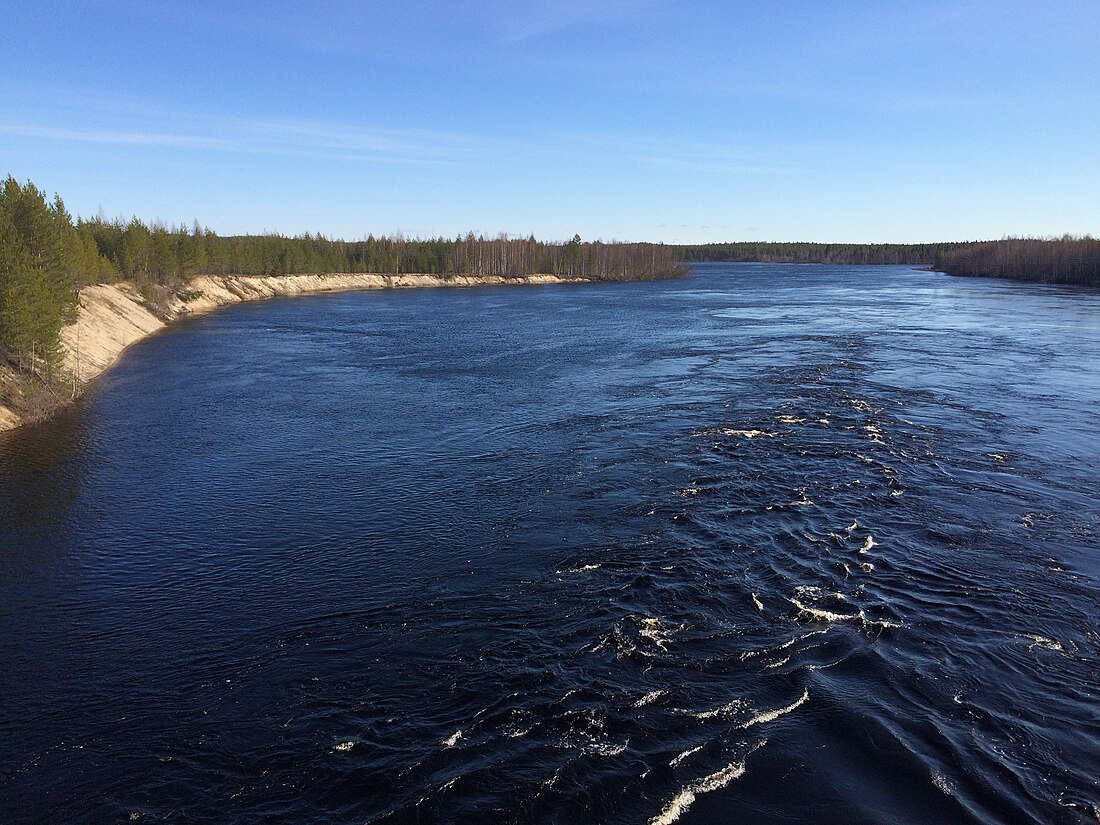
(770, 544)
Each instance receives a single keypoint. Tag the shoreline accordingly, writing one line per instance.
(111, 317)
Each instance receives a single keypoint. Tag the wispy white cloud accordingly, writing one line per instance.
(107, 120)
(115, 137)
(264, 138)
(120, 121)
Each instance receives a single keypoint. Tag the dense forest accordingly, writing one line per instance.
(817, 253)
(170, 255)
(1067, 260)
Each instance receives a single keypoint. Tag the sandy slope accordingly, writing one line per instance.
(112, 316)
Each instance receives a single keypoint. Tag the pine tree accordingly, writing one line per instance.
(36, 287)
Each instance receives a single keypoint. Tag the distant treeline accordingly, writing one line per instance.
(817, 253)
(168, 255)
(1067, 260)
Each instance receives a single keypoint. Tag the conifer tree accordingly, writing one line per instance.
(36, 286)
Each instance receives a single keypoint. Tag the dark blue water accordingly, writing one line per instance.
(770, 544)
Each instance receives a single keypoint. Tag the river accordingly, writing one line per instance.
(770, 544)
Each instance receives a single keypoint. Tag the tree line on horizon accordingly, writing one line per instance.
(1066, 260)
(818, 253)
(170, 255)
(46, 256)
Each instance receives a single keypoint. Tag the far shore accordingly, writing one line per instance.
(111, 317)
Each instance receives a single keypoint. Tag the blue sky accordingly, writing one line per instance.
(625, 119)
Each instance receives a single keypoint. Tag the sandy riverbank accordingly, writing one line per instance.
(114, 316)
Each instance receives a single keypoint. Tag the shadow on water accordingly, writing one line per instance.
(41, 473)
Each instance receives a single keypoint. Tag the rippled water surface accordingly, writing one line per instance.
(769, 544)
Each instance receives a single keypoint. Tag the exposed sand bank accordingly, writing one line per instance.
(220, 291)
(113, 316)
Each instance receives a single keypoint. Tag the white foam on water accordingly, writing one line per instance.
(875, 432)
(748, 433)
(780, 663)
(771, 715)
(591, 745)
(452, 740)
(584, 568)
(759, 604)
(689, 491)
(676, 760)
(727, 708)
(942, 783)
(721, 779)
(748, 654)
(866, 567)
(868, 543)
(687, 796)
(343, 747)
(790, 419)
(656, 632)
(853, 526)
(827, 615)
(881, 624)
(680, 803)
(1075, 804)
(649, 698)
(609, 749)
(1043, 642)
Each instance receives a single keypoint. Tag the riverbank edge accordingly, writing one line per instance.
(111, 317)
